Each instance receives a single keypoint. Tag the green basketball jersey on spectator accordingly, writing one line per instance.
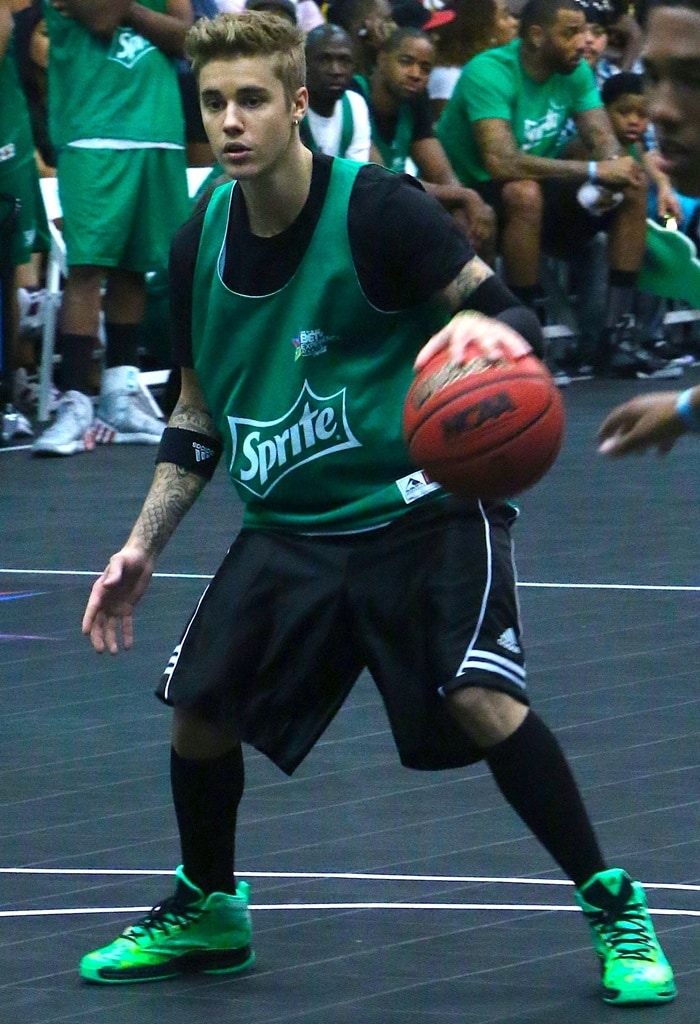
(123, 89)
(307, 384)
(16, 141)
(494, 84)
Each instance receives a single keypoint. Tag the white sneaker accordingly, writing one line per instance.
(121, 416)
(25, 393)
(14, 426)
(70, 432)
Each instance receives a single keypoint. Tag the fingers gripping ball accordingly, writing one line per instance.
(484, 430)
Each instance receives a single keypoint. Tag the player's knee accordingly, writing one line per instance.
(196, 736)
(487, 716)
(523, 199)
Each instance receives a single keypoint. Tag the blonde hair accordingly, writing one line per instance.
(250, 34)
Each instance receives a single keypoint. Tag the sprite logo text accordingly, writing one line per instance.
(264, 452)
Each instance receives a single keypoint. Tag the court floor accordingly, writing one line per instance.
(379, 895)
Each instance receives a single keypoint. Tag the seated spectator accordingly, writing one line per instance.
(623, 96)
(116, 119)
(337, 119)
(32, 51)
(501, 130)
(283, 8)
(19, 209)
(402, 129)
(479, 25)
(369, 23)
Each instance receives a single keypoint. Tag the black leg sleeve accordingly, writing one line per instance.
(206, 795)
(534, 776)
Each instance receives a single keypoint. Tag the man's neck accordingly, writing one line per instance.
(536, 67)
(382, 102)
(323, 106)
(275, 200)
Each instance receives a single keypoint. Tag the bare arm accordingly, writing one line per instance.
(101, 17)
(173, 492)
(166, 31)
(469, 334)
(505, 161)
(6, 26)
(596, 131)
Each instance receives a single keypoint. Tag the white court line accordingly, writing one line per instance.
(663, 588)
(361, 876)
(537, 907)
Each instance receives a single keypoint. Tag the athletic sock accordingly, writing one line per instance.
(76, 362)
(123, 344)
(622, 285)
(534, 776)
(206, 795)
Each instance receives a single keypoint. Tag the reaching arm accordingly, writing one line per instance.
(101, 17)
(489, 321)
(505, 161)
(173, 492)
(6, 26)
(166, 31)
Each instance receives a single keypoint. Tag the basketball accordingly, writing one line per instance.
(484, 430)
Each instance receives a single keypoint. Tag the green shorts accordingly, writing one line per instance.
(121, 207)
(20, 181)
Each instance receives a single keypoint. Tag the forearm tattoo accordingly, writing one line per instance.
(472, 274)
(174, 490)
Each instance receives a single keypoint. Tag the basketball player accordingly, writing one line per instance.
(672, 66)
(301, 299)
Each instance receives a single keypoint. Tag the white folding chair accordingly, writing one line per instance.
(56, 270)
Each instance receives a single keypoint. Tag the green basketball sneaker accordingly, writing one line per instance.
(187, 932)
(634, 967)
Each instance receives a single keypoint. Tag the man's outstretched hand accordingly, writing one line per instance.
(109, 611)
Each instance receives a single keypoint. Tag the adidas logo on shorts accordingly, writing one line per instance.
(509, 640)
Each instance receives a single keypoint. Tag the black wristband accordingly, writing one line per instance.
(527, 323)
(493, 298)
(194, 452)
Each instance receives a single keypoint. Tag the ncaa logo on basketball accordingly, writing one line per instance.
(264, 452)
(474, 416)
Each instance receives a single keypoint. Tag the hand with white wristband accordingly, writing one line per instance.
(648, 421)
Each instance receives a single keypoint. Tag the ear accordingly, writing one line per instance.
(536, 36)
(300, 104)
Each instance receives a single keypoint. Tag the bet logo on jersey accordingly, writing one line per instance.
(264, 452)
(128, 47)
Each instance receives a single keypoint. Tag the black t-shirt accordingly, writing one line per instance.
(404, 245)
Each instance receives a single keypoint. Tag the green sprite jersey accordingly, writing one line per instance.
(123, 89)
(494, 84)
(16, 140)
(307, 384)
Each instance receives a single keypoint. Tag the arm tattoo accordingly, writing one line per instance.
(174, 490)
(597, 134)
(472, 274)
(172, 494)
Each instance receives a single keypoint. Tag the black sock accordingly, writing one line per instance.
(206, 795)
(622, 287)
(534, 777)
(123, 344)
(77, 353)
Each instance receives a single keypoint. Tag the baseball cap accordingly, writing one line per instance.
(412, 14)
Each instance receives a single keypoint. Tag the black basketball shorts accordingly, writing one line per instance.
(427, 604)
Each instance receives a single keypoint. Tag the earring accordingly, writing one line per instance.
(295, 122)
